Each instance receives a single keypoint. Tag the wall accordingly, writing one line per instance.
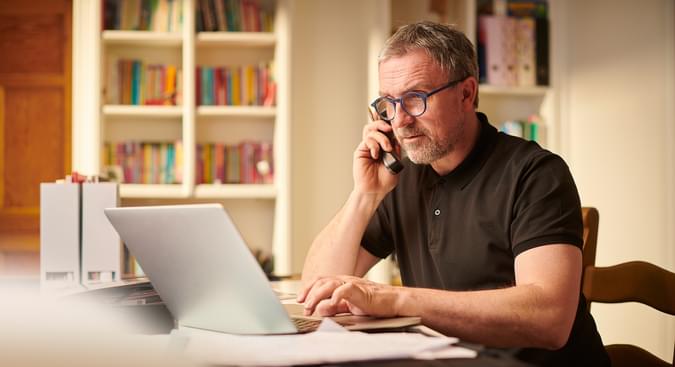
(617, 135)
(330, 93)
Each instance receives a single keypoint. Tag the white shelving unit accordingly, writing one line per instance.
(237, 111)
(153, 191)
(142, 111)
(239, 191)
(493, 90)
(141, 38)
(94, 122)
(245, 39)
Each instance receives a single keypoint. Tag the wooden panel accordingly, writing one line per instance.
(34, 143)
(34, 41)
(35, 6)
(35, 78)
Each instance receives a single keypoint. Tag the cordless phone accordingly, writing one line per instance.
(390, 159)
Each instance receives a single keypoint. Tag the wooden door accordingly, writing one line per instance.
(35, 49)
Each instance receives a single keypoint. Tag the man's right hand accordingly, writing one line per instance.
(370, 174)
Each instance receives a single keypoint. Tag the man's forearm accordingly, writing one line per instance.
(511, 317)
(335, 249)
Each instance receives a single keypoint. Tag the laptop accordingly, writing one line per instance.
(208, 278)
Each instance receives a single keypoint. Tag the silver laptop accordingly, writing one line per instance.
(206, 275)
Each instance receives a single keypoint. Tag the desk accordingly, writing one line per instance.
(160, 321)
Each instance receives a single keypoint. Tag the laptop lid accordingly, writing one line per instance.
(201, 267)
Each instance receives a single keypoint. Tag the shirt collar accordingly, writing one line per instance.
(471, 165)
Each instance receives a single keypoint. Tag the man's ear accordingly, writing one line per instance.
(469, 90)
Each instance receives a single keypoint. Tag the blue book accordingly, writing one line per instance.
(211, 83)
(170, 163)
(135, 81)
(206, 98)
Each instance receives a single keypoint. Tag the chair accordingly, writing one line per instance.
(634, 281)
(591, 220)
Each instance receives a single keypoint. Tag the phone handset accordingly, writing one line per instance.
(390, 159)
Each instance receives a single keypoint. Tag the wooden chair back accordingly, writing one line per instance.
(591, 220)
(635, 281)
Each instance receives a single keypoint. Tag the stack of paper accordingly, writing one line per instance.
(330, 344)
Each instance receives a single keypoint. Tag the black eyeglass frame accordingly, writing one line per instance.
(422, 95)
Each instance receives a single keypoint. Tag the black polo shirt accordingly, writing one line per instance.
(462, 231)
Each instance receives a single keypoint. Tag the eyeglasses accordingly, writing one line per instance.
(413, 103)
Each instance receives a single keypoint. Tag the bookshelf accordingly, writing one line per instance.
(98, 120)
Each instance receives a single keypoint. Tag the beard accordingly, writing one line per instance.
(428, 148)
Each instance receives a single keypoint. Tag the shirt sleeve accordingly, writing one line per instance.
(547, 209)
(377, 237)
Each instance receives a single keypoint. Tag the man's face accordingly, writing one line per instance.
(434, 134)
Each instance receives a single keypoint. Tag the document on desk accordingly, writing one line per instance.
(329, 344)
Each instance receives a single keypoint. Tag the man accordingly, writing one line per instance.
(486, 227)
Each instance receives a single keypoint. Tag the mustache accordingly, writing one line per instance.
(407, 132)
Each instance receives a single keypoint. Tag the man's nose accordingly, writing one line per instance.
(402, 118)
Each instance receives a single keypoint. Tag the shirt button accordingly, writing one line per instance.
(437, 212)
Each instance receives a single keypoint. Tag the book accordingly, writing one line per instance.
(542, 51)
(525, 52)
(499, 33)
(142, 15)
(528, 8)
(234, 16)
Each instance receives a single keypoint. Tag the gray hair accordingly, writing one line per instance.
(447, 46)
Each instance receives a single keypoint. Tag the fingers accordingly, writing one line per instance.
(327, 308)
(320, 290)
(363, 297)
(304, 290)
(348, 292)
(374, 135)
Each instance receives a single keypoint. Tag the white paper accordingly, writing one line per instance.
(328, 325)
(447, 353)
(206, 347)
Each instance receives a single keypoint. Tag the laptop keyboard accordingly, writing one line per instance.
(305, 325)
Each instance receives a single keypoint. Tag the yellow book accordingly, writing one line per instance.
(250, 85)
(206, 155)
(170, 86)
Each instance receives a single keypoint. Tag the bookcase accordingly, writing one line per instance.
(261, 210)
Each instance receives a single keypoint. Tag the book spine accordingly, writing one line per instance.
(198, 88)
(178, 169)
(542, 51)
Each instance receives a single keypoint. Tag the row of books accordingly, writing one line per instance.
(234, 16)
(513, 42)
(249, 162)
(133, 82)
(527, 129)
(514, 8)
(513, 51)
(143, 15)
(145, 162)
(248, 85)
